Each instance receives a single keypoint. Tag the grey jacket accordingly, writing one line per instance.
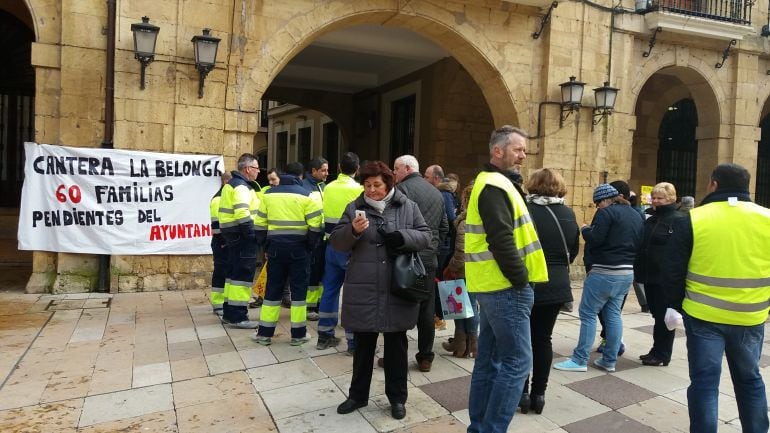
(431, 205)
(367, 305)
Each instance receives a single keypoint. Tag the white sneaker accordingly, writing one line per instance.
(599, 363)
(246, 324)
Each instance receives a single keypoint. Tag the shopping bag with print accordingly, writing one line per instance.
(261, 284)
(454, 299)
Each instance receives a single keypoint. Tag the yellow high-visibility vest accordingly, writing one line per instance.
(482, 274)
(214, 213)
(337, 195)
(289, 211)
(238, 204)
(733, 288)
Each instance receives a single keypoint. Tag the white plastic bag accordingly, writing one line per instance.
(673, 319)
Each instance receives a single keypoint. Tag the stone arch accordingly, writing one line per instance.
(690, 78)
(471, 48)
(694, 73)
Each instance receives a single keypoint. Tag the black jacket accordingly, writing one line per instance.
(557, 289)
(367, 304)
(613, 238)
(431, 205)
(673, 270)
(658, 229)
(496, 212)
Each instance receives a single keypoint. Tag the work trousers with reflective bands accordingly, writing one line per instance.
(285, 261)
(219, 251)
(316, 265)
(242, 253)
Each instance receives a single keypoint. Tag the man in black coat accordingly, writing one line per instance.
(410, 182)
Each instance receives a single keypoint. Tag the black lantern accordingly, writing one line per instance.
(571, 95)
(205, 55)
(605, 101)
(145, 36)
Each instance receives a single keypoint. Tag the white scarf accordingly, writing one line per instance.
(380, 205)
(544, 200)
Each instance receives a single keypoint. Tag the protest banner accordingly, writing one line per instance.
(109, 201)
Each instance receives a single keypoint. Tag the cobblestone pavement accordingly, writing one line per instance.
(162, 362)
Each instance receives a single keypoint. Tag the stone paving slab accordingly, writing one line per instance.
(162, 362)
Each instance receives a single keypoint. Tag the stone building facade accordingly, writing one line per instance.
(495, 73)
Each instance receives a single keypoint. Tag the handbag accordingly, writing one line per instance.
(409, 279)
(455, 302)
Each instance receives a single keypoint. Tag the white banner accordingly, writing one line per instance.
(105, 201)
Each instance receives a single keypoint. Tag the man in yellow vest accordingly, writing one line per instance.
(502, 256)
(238, 205)
(289, 223)
(336, 197)
(315, 182)
(218, 251)
(717, 272)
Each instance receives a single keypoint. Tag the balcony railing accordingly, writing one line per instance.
(731, 11)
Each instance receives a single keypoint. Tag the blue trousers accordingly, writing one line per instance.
(503, 361)
(287, 261)
(334, 275)
(707, 343)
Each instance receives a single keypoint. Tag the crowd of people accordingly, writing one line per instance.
(513, 243)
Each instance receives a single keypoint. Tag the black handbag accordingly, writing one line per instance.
(409, 279)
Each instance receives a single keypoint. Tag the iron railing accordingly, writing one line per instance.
(731, 11)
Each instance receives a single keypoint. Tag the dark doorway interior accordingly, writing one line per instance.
(402, 124)
(304, 141)
(331, 147)
(17, 125)
(762, 187)
(281, 149)
(678, 149)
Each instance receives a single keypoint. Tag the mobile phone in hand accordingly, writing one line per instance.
(360, 213)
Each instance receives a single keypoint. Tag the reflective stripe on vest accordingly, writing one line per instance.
(733, 288)
(214, 213)
(482, 272)
(288, 214)
(337, 195)
(237, 204)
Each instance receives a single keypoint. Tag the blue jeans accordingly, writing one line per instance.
(707, 342)
(605, 293)
(503, 361)
(336, 264)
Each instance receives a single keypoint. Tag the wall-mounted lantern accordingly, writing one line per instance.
(205, 55)
(145, 36)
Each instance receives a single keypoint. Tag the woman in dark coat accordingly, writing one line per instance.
(657, 231)
(560, 244)
(393, 224)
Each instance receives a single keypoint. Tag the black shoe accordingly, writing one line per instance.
(350, 405)
(655, 362)
(525, 403)
(647, 355)
(398, 410)
(538, 402)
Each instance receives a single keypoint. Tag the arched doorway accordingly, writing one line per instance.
(677, 131)
(17, 125)
(390, 90)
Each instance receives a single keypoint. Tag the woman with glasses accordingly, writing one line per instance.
(381, 222)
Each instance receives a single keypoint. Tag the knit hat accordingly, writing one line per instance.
(603, 191)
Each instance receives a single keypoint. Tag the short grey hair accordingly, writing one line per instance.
(501, 137)
(245, 160)
(409, 161)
